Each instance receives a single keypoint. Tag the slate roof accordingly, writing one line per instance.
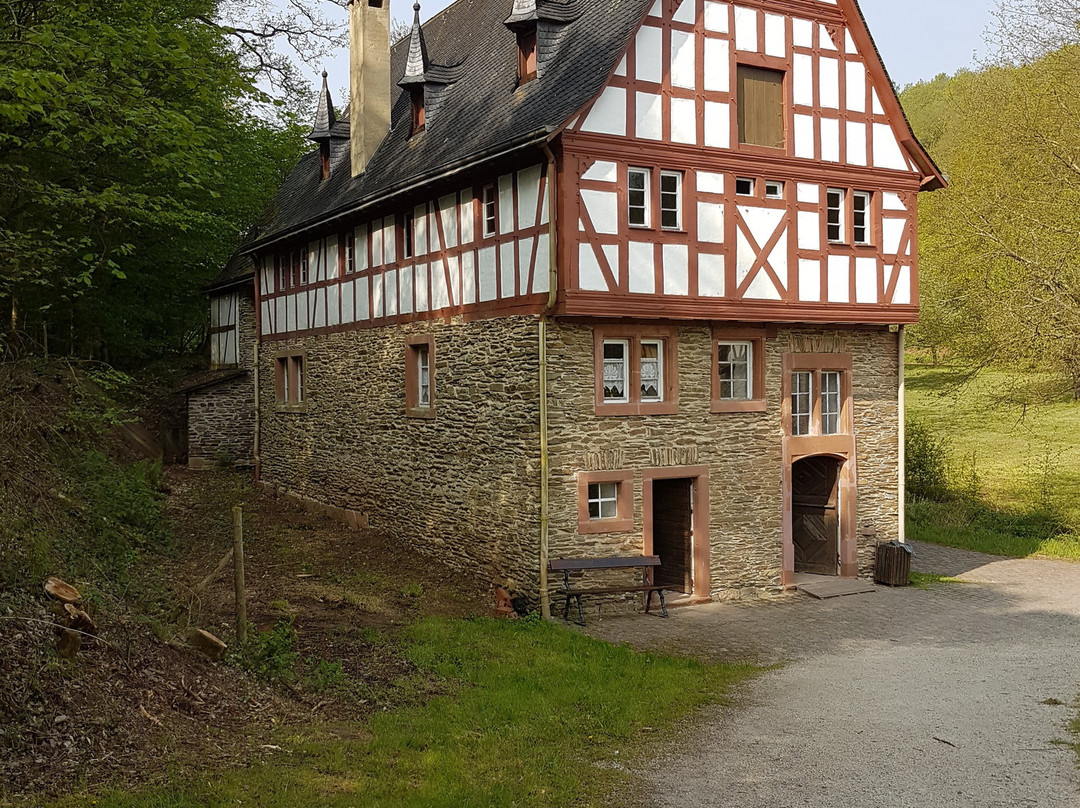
(476, 112)
(238, 270)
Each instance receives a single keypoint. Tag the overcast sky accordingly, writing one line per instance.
(918, 38)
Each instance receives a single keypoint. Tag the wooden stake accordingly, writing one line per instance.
(238, 576)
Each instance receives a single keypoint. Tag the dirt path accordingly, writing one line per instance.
(949, 697)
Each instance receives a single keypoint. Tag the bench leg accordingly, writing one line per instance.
(580, 614)
(648, 601)
(663, 606)
(566, 608)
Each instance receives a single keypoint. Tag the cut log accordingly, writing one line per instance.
(80, 620)
(69, 644)
(207, 644)
(65, 593)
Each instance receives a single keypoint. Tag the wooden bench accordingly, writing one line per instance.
(647, 564)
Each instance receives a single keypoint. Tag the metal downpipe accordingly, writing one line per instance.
(545, 517)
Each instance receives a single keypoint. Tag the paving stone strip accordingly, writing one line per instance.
(952, 696)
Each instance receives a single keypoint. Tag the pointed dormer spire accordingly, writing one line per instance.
(523, 14)
(416, 66)
(325, 118)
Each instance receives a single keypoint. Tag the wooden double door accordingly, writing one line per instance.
(815, 515)
(673, 534)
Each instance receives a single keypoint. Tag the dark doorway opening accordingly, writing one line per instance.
(672, 516)
(815, 515)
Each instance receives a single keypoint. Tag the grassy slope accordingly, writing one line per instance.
(540, 716)
(1027, 462)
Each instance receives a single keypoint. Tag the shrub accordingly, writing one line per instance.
(927, 471)
(271, 654)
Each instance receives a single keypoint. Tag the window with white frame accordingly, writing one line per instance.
(835, 212)
(490, 210)
(290, 370)
(830, 402)
(860, 217)
(652, 370)
(603, 500)
(616, 371)
(224, 314)
(423, 376)
(774, 189)
(350, 254)
(303, 267)
(670, 200)
(420, 376)
(736, 365)
(638, 196)
(802, 402)
(407, 237)
(744, 186)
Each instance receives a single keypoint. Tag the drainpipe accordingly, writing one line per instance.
(901, 483)
(258, 416)
(545, 518)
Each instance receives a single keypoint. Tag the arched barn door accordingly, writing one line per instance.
(815, 515)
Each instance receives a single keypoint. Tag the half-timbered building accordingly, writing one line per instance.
(599, 277)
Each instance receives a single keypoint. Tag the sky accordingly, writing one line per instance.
(918, 39)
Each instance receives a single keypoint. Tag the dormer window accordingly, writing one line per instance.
(418, 115)
(526, 42)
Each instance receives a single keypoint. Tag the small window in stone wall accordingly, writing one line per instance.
(636, 370)
(605, 501)
(738, 372)
(420, 376)
(290, 380)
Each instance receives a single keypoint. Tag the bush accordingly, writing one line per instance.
(271, 654)
(927, 470)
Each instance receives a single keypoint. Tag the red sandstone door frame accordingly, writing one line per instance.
(699, 477)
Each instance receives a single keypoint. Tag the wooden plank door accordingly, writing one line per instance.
(815, 518)
(672, 519)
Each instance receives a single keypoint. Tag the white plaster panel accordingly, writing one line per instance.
(824, 39)
(830, 140)
(808, 192)
(891, 201)
(716, 17)
(887, 153)
(875, 102)
(390, 292)
(468, 278)
(829, 82)
(804, 137)
(542, 272)
(892, 231)
(602, 171)
(711, 222)
(281, 321)
(656, 10)
(377, 302)
(649, 123)
(809, 280)
(761, 222)
(315, 268)
(288, 313)
(507, 270)
(745, 255)
(775, 36)
(376, 245)
(762, 288)
(405, 290)
(361, 248)
(683, 61)
(603, 209)
(649, 53)
(363, 298)
(856, 86)
(683, 120)
(717, 65)
(686, 12)
(717, 125)
(802, 79)
(506, 204)
(642, 273)
(849, 43)
(866, 285)
(709, 183)
(333, 305)
(611, 253)
(856, 143)
(449, 220)
(440, 294)
(421, 287)
(802, 33)
(453, 266)
(524, 262)
(902, 293)
(420, 231)
(489, 285)
(265, 320)
(590, 276)
(621, 69)
(465, 215)
(809, 230)
(389, 240)
(746, 29)
(839, 279)
(332, 258)
(778, 259)
(528, 196)
(545, 202)
(711, 281)
(676, 269)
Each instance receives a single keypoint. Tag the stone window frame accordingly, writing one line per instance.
(624, 508)
(633, 336)
(757, 338)
(290, 387)
(816, 364)
(413, 408)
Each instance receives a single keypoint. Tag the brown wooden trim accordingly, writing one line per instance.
(634, 334)
(413, 408)
(624, 519)
(702, 538)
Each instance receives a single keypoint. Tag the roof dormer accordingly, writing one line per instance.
(416, 78)
(322, 131)
(523, 22)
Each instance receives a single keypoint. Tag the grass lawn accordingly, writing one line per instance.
(536, 715)
(1026, 461)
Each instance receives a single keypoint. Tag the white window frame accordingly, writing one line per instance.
(678, 177)
(659, 397)
(489, 210)
(841, 213)
(625, 371)
(798, 397)
(778, 193)
(832, 402)
(856, 198)
(646, 209)
(753, 186)
(731, 343)
(408, 235)
(423, 376)
(599, 496)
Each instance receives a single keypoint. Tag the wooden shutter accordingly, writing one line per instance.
(761, 107)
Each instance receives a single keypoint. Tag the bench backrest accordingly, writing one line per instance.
(560, 564)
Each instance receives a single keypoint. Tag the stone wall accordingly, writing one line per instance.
(463, 485)
(744, 451)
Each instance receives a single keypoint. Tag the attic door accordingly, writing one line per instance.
(672, 515)
(761, 107)
(815, 515)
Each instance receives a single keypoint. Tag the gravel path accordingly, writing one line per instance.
(950, 697)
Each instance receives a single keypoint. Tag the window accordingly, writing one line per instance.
(835, 204)
(761, 107)
(744, 186)
(526, 41)
(802, 402)
(490, 211)
(407, 236)
(830, 402)
(350, 254)
(224, 311)
(774, 189)
(605, 501)
(738, 372)
(860, 217)
(638, 196)
(670, 200)
(419, 114)
(420, 376)
(616, 371)
(636, 370)
(290, 380)
(303, 267)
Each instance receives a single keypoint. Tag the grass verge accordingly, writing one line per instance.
(538, 715)
(923, 580)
